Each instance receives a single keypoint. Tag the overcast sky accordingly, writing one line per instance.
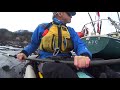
(14, 21)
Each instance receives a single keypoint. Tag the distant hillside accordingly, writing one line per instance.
(5, 35)
(23, 35)
(20, 37)
(21, 31)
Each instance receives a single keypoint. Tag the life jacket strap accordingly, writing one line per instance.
(56, 51)
(59, 37)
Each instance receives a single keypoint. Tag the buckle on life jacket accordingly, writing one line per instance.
(56, 51)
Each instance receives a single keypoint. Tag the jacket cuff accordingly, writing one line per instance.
(86, 54)
(23, 51)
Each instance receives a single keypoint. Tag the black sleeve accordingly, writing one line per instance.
(23, 51)
(86, 54)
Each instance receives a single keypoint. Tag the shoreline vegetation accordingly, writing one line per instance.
(17, 39)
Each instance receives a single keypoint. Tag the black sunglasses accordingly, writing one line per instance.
(68, 14)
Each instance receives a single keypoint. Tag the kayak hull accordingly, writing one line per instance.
(103, 47)
(29, 73)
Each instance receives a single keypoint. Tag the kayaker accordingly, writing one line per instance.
(56, 39)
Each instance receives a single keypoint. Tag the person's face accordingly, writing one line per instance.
(66, 17)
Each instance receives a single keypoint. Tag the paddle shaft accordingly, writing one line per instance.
(46, 60)
(104, 62)
(92, 62)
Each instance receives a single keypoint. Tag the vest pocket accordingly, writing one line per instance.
(47, 43)
(67, 45)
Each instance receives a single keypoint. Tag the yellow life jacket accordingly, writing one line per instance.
(58, 36)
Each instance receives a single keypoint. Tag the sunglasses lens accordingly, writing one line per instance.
(69, 14)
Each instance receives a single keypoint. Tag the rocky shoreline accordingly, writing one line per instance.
(16, 44)
(17, 39)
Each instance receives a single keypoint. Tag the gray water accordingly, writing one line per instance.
(9, 66)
